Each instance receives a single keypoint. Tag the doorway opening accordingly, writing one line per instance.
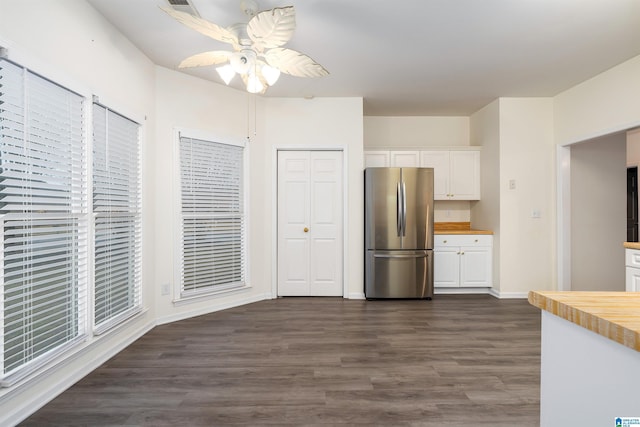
(632, 204)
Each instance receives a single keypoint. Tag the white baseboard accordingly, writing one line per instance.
(356, 295)
(509, 295)
(213, 308)
(462, 291)
(491, 291)
(32, 394)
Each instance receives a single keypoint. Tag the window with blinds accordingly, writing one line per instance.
(43, 214)
(117, 215)
(213, 222)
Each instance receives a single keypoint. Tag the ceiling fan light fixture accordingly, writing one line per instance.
(270, 74)
(226, 73)
(254, 85)
(243, 61)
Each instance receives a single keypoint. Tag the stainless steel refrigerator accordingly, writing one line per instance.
(398, 232)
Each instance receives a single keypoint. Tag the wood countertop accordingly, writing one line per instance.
(457, 228)
(614, 315)
(632, 245)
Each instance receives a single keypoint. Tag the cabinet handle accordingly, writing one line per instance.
(476, 240)
(444, 241)
(457, 253)
(461, 253)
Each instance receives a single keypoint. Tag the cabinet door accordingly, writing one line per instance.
(475, 266)
(633, 279)
(464, 175)
(376, 159)
(404, 159)
(446, 267)
(439, 161)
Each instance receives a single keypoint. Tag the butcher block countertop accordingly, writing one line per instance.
(456, 228)
(628, 245)
(614, 315)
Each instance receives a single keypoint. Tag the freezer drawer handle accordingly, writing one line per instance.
(401, 256)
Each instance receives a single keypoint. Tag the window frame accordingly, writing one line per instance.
(178, 297)
(82, 216)
(121, 318)
(20, 57)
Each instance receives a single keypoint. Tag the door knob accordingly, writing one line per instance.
(306, 230)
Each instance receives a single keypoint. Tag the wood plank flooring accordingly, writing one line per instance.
(454, 361)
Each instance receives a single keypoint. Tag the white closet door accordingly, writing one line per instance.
(310, 223)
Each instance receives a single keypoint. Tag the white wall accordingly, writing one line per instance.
(517, 139)
(606, 103)
(603, 105)
(598, 214)
(485, 213)
(189, 103)
(527, 244)
(69, 42)
(318, 123)
(406, 132)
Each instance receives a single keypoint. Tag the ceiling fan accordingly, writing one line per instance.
(257, 56)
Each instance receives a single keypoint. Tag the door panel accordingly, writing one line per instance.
(465, 175)
(475, 268)
(418, 188)
(446, 267)
(310, 223)
(381, 189)
(439, 161)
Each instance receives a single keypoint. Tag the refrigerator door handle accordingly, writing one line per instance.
(425, 255)
(399, 210)
(404, 210)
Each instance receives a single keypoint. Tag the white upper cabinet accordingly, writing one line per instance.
(456, 173)
(376, 159)
(405, 159)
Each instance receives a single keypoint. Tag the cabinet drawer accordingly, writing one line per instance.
(444, 240)
(632, 258)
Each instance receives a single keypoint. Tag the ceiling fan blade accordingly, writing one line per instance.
(213, 57)
(294, 63)
(202, 26)
(272, 28)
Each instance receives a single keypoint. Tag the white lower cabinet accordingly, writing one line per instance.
(462, 261)
(632, 262)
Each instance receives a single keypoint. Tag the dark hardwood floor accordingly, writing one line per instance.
(454, 361)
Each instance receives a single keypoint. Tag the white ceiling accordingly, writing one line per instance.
(414, 57)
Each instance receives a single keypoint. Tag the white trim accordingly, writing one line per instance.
(175, 190)
(274, 209)
(465, 291)
(212, 308)
(481, 291)
(625, 127)
(225, 289)
(508, 295)
(356, 295)
(563, 219)
(38, 395)
(209, 136)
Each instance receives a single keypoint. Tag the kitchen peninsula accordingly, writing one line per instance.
(590, 364)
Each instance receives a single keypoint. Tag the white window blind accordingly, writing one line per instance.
(116, 207)
(213, 222)
(43, 214)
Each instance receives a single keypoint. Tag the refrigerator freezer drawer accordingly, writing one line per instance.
(399, 274)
